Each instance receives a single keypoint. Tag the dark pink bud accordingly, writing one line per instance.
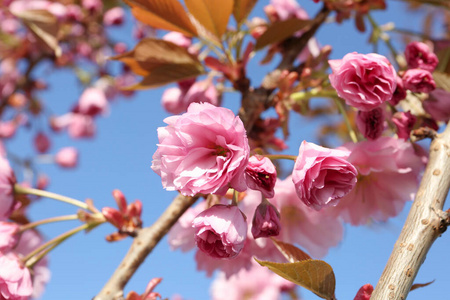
(364, 292)
(113, 216)
(417, 80)
(399, 93)
(371, 123)
(405, 122)
(41, 142)
(261, 175)
(419, 55)
(114, 16)
(266, 221)
(120, 200)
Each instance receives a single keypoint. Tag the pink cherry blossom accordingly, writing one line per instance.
(405, 122)
(399, 93)
(41, 142)
(438, 105)
(15, 279)
(322, 176)
(221, 231)
(315, 231)
(287, 9)
(172, 100)
(383, 165)
(9, 234)
(419, 55)
(263, 285)
(266, 221)
(114, 16)
(67, 157)
(92, 102)
(371, 123)
(202, 151)
(7, 181)
(364, 292)
(417, 80)
(81, 126)
(93, 6)
(178, 39)
(364, 81)
(261, 175)
(202, 92)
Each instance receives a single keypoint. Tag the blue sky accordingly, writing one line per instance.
(120, 157)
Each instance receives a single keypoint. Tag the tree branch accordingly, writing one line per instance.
(426, 222)
(143, 244)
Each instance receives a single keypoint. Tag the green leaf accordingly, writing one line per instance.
(290, 252)
(279, 31)
(314, 275)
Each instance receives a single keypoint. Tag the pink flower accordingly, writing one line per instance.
(405, 122)
(92, 102)
(221, 231)
(383, 165)
(364, 292)
(81, 126)
(322, 176)
(202, 91)
(287, 9)
(315, 231)
(7, 181)
(364, 81)
(266, 221)
(114, 16)
(178, 39)
(172, 100)
(261, 175)
(67, 157)
(202, 151)
(15, 279)
(417, 80)
(93, 6)
(438, 105)
(41, 142)
(256, 283)
(419, 55)
(399, 93)
(371, 123)
(9, 234)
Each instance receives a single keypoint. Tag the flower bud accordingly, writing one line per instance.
(266, 221)
(261, 175)
(419, 55)
(41, 142)
(67, 157)
(405, 122)
(364, 292)
(371, 123)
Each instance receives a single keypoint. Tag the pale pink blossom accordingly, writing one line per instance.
(419, 55)
(201, 92)
(114, 16)
(221, 231)
(7, 181)
(42, 142)
(261, 175)
(438, 105)
(178, 39)
(172, 100)
(315, 231)
(418, 80)
(364, 81)
(322, 176)
(256, 283)
(383, 166)
(9, 235)
(288, 9)
(405, 122)
(7, 129)
(92, 102)
(81, 126)
(202, 151)
(15, 278)
(266, 221)
(371, 123)
(67, 157)
(93, 6)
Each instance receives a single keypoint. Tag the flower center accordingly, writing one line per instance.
(220, 151)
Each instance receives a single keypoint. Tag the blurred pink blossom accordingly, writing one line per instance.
(172, 100)
(399, 93)
(202, 151)
(417, 80)
(178, 39)
(67, 157)
(287, 9)
(438, 105)
(93, 6)
(7, 181)
(364, 81)
(81, 126)
(41, 142)
(261, 175)
(322, 176)
(7, 129)
(371, 123)
(221, 231)
(405, 122)
(9, 235)
(114, 16)
(383, 165)
(15, 279)
(92, 102)
(419, 55)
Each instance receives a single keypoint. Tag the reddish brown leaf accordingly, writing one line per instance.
(242, 9)
(213, 16)
(290, 252)
(442, 80)
(420, 285)
(163, 14)
(279, 31)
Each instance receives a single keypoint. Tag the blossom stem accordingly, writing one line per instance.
(24, 190)
(280, 156)
(234, 200)
(343, 112)
(47, 221)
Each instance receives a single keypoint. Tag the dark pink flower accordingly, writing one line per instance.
(266, 221)
(322, 176)
(221, 231)
(15, 279)
(364, 81)
(67, 157)
(202, 151)
(399, 93)
(364, 292)
(7, 181)
(405, 122)
(41, 142)
(438, 105)
(371, 123)
(419, 56)
(417, 80)
(261, 175)
(9, 235)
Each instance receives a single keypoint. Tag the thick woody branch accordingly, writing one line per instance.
(426, 221)
(143, 244)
